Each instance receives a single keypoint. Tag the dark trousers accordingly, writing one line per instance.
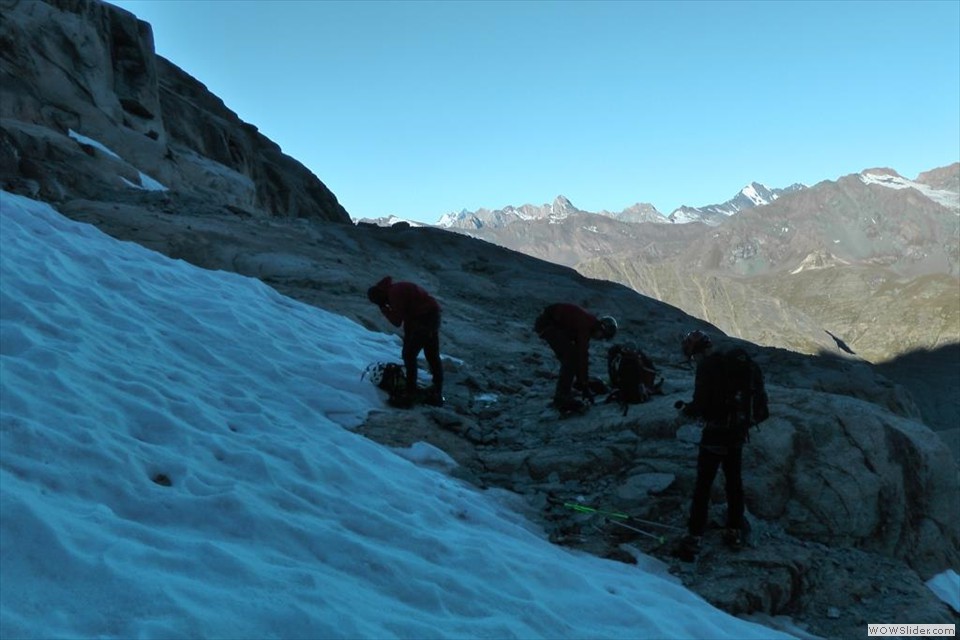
(422, 334)
(565, 348)
(709, 460)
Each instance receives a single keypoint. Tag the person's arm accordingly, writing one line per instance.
(689, 409)
(395, 307)
(706, 371)
(583, 356)
(385, 310)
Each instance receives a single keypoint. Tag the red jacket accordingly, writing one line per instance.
(405, 301)
(579, 324)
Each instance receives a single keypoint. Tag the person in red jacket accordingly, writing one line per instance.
(568, 329)
(408, 304)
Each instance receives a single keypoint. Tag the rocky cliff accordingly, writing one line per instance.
(88, 110)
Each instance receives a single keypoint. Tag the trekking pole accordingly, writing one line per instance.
(616, 514)
(660, 539)
(657, 524)
(600, 512)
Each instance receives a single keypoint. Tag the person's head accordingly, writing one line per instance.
(696, 344)
(377, 294)
(606, 328)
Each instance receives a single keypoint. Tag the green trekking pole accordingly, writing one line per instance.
(600, 512)
(660, 539)
(618, 515)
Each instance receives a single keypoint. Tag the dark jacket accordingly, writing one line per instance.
(577, 324)
(405, 301)
(712, 405)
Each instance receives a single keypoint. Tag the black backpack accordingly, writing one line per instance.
(633, 376)
(389, 376)
(750, 402)
(730, 391)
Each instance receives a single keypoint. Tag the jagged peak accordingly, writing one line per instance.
(881, 171)
(641, 206)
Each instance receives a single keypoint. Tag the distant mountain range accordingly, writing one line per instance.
(752, 195)
(870, 259)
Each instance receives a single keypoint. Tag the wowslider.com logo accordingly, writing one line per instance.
(907, 630)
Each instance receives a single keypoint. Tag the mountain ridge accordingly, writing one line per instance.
(752, 195)
(853, 222)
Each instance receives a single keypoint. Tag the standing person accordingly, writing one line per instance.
(568, 328)
(408, 304)
(723, 399)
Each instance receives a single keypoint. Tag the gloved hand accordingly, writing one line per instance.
(687, 408)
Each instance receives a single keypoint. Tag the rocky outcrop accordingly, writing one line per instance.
(853, 476)
(943, 178)
(88, 110)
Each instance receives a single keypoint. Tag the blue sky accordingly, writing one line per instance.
(422, 108)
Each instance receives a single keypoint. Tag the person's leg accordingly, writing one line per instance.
(430, 339)
(568, 370)
(707, 465)
(412, 345)
(733, 477)
(561, 342)
(431, 351)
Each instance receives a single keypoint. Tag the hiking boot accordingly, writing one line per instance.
(688, 549)
(401, 401)
(569, 405)
(433, 397)
(733, 538)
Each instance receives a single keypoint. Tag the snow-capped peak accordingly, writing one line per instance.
(558, 210)
(753, 195)
(758, 193)
(893, 180)
(450, 219)
(388, 221)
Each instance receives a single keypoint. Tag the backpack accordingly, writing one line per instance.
(749, 396)
(730, 391)
(633, 377)
(389, 376)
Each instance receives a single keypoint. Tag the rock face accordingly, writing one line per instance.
(942, 179)
(140, 124)
(853, 501)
